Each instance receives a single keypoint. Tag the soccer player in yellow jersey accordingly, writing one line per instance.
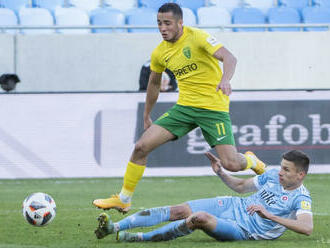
(193, 56)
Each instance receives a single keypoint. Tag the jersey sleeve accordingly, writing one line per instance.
(208, 42)
(260, 180)
(303, 205)
(155, 63)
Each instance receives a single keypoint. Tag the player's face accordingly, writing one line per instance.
(169, 26)
(290, 177)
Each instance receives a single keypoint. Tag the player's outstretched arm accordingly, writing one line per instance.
(240, 185)
(303, 224)
(152, 96)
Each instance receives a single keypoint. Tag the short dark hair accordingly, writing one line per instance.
(300, 159)
(171, 7)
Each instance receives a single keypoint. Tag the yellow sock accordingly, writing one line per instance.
(134, 173)
(250, 163)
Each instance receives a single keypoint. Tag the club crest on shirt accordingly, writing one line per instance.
(285, 198)
(186, 52)
(220, 202)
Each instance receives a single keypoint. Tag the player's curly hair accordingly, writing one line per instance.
(171, 7)
(299, 158)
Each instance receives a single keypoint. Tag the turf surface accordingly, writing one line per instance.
(76, 217)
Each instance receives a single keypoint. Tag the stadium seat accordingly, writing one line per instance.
(48, 4)
(8, 17)
(230, 5)
(16, 5)
(213, 16)
(193, 5)
(263, 5)
(284, 15)
(142, 17)
(189, 18)
(316, 14)
(322, 3)
(297, 4)
(152, 4)
(122, 5)
(36, 17)
(86, 5)
(71, 17)
(107, 17)
(248, 16)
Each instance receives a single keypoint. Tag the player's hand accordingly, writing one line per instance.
(225, 87)
(147, 122)
(260, 210)
(215, 162)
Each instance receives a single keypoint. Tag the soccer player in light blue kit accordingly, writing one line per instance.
(281, 202)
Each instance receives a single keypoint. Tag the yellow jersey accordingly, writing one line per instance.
(198, 73)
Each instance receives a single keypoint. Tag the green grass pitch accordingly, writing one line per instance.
(76, 217)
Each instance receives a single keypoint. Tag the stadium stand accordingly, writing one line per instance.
(152, 4)
(107, 16)
(8, 17)
(263, 5)
(297, 4)
(36, 17)
(193, 5)
(284, 15)
(141, 17)
(71, 17)
(122, 5)
(230, 5)
(248, 16)
(51, 5)
(213, 16)
(16, 5)
(316, 14)
(86, 5)
(189, 18)
(322, 3)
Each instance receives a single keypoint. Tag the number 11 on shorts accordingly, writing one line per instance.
(221, 128)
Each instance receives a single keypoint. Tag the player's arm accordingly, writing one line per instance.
(303, 224)
(152, 96)
(240, 185)
(229, 65)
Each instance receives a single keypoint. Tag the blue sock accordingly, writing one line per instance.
(148, 217)
(170, 231)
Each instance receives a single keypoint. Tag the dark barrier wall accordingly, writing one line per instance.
(268, 128)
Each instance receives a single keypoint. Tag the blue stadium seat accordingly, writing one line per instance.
(36, 17)
(230, 5)
(191, 4)
(122, 5)
(297, 4)
(322, 3)
(8, 17)
(87, 5)
(48, 4)
(16, 5)
(284, 15)
(213, 16)
(189, 18)
(152, 4)
(71, 17)
(248, 16)
(107, 17)
(263, 5)
(142, 17)
(316, 14)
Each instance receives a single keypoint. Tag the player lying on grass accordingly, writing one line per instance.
(281, 202)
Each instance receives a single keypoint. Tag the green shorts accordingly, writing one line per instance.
(215, 125)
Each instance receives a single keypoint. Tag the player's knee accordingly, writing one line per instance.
(180, 212)
(231, 164)
(198, 220)
(141, 148)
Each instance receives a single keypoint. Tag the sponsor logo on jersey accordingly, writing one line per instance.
(185, 70)
(186, 52)
(212, 41)
(268, 197)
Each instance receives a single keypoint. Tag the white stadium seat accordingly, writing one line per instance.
(36, 17)
(8, 17)
(189, 18)
(71, 17)
(213, 16)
